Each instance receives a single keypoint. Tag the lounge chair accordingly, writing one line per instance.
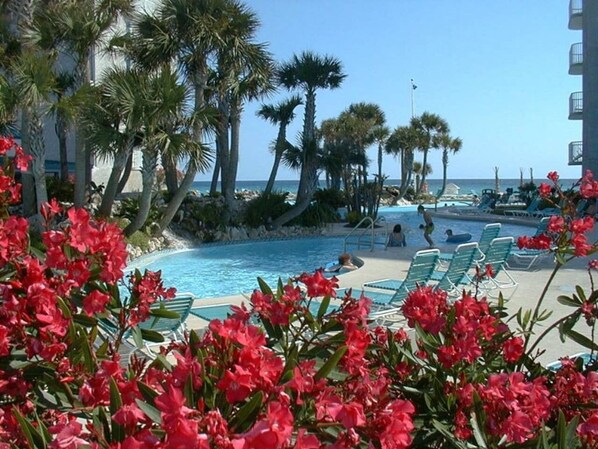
(168, 320)
(530, 211)
(526, 258)
(496, 256)
(490, 232)
(463, 259)
(421, 268)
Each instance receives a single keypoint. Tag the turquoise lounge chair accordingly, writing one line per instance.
(463, 259)
(171, 325)
(490, 232)
(420, 270)
(526, 258)
(496, 257)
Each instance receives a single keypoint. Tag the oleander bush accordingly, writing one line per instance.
(291, 369)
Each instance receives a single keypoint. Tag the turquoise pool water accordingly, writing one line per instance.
(229, 269)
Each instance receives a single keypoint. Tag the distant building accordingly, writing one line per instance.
(583, 105)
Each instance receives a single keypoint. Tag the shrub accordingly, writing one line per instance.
(63, 191)
(130, 206)
(354, 217)
(316, 215)
(333, 198)
(211, 215)
(259, 209)
(139, 239)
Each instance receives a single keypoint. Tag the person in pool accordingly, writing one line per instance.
(345, 263)
(396, 237)
(428, 225)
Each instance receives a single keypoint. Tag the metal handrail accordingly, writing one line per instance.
(371, 226)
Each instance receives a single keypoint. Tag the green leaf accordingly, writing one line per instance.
(323, 306)
(153, 336)
(34, 437)
(118, 432)
(152, 412)
(148, 393)
(582, 340)
(264, 287)
(331, 363)
(84, 320)
(567, 301)
(137, 337)
(162, 312)
(246, 414)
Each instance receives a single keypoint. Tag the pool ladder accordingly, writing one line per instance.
(367, 236)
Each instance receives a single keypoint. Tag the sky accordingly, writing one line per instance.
(496, 71)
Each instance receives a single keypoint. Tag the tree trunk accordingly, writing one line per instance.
(27, 181)
(61, 132)
(148, 174)
(215, 175)
(444, 170)
(281, 140)
(38, 166)
(111, 190)
(126, 174)
(223, 148)
(170, 173)
(177, 199)
(233, 157)
(309, 149)
(82, 163)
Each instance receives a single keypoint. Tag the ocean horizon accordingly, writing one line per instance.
(466, 186)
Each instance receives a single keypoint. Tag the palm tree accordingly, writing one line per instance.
(189, 33)
(402, 142)
(308, 72)
(420, 171)
(167, 129)
(280, 114)
(79, 27)
(380, 134)
(447, 143)
(114, 122)
(34, 80)
(428, 125)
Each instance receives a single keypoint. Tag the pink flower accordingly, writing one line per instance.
(544, 190)
(553, 176)
(513, 349)
(95, 302)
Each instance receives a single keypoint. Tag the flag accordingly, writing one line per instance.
(413, 85)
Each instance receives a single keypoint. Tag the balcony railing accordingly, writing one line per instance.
(576, 59)
(575, 152)
(575, 14)
(576, 106)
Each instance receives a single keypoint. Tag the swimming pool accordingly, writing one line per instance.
(229, 269)
(217, 270)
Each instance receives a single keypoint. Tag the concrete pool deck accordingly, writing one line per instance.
(394, 263)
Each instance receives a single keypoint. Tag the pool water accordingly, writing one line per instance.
(410, 222)
(229, 269)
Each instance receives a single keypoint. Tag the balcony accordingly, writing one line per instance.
(575, 153)
(576, 59)
(575, 15)
(576, 106)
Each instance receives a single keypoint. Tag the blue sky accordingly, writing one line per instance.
(495, 70)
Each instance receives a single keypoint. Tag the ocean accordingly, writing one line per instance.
(466, 186)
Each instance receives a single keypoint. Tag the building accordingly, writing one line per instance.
(583, 105)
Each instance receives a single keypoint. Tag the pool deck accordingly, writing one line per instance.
(394, 262)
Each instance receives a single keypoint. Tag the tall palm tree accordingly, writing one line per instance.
(380, 134)
(446, 143)
(114, 122)
(428, 125)
(402, 143)
(34, 79)
(167, 129)
(189, 33)
(79, 28)
(420, 171)
(280, 114)
(308, 72)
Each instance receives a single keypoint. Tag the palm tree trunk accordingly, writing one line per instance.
(82, 163)
(38, 151)
(310, 165)
(423, 174)
(126, 174)
(28, 183)
(280, 145)
(177, 199)
(111, 190)
(444, 171)
(215, 175)
(148, 173)
(170, 173)
(61, 132)
(233, 163)
(223, 148)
